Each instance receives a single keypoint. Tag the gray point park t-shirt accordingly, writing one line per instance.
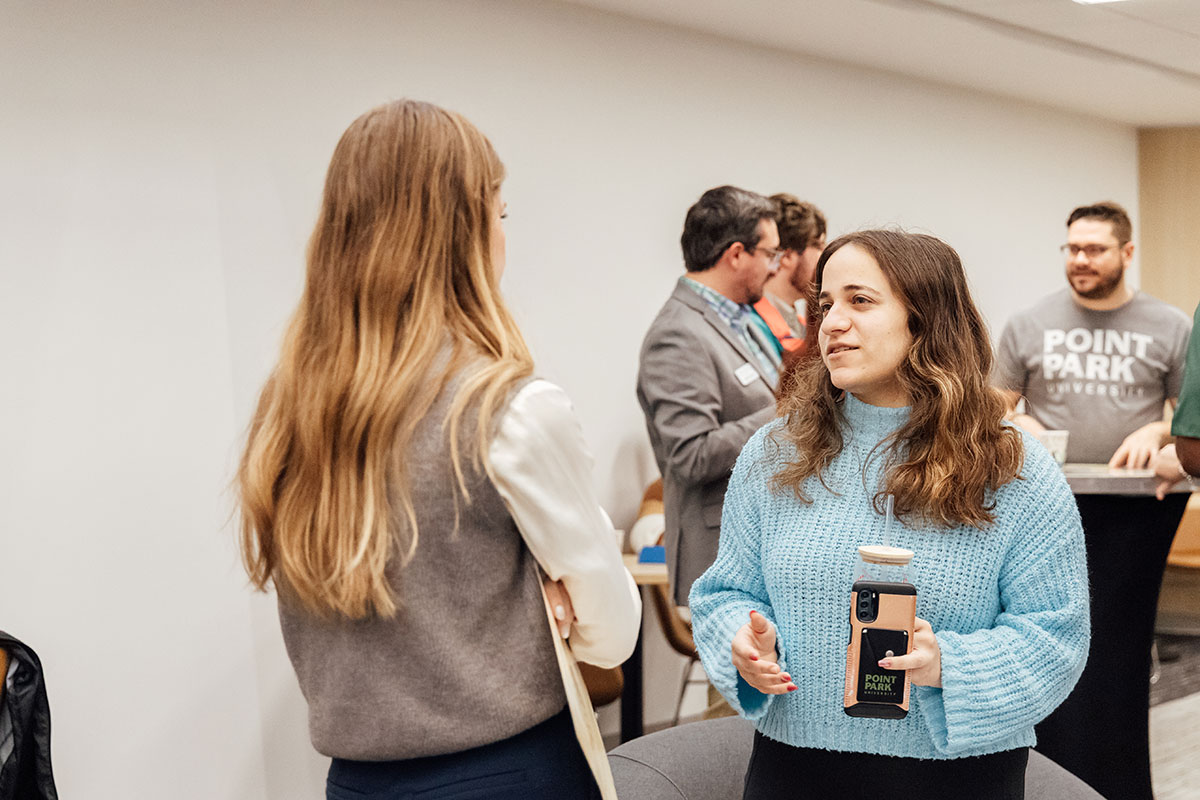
(1099, 374)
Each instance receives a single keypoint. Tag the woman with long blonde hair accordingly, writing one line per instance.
(407, 483)
(896, 405)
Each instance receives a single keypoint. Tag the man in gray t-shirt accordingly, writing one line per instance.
(1101, 374)
(1097, 359)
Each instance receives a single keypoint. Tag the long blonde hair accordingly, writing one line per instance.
(399, 273)
(954, 451)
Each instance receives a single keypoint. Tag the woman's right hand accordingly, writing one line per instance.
(560, 603)
(755, 658)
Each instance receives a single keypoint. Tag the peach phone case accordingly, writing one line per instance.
(897, 612)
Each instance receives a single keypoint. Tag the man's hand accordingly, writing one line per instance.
(924, 663)
(1167, 470)
(1140, 446)
(755, 658)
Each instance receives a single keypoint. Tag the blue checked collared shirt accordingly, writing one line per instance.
(746, 324)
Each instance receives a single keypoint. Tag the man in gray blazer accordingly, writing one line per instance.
(709, 368)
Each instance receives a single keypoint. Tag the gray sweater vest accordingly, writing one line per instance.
(467, 660)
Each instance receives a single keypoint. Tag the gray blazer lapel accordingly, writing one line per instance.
(698, 304)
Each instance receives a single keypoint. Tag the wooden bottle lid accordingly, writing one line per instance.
(882, 554)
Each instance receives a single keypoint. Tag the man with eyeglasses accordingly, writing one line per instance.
(708, 371)
(1099, 359)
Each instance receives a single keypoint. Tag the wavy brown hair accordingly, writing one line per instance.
(954, 451)
(400, 296)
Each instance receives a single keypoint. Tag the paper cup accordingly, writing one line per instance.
(1056, 443)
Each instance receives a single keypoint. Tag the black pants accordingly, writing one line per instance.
(542, 763)
(779, 771)
(1101, 733)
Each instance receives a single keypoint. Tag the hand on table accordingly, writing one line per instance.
(560, 602)
(1139, 448)
(1167, 471)
(755, 658)
(924, 662)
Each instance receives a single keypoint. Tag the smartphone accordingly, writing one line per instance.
(882, 617)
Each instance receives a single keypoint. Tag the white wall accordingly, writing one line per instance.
(160, 167)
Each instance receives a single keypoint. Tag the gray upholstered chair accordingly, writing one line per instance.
(707, 761)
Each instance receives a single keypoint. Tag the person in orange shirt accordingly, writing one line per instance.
(802, 237)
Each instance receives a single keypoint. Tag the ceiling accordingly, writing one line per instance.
(1136, 62)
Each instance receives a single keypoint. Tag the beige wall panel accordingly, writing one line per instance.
(1169, 178)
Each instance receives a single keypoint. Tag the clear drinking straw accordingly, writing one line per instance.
(887, 520)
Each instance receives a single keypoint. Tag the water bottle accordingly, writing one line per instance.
(879, 562)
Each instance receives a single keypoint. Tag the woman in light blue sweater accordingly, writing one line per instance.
(897, 404)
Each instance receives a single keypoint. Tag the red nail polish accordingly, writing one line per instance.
(791, 688)
(754, 658)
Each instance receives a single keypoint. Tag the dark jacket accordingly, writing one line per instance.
(26, 773)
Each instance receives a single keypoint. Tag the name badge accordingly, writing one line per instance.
(746, 373)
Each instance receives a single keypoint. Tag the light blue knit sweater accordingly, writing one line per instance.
(1009, 604)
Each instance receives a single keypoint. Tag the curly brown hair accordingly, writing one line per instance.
(954, 451)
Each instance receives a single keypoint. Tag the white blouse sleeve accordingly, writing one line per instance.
(542, 469)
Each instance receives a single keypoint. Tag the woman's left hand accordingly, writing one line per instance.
(924, 661)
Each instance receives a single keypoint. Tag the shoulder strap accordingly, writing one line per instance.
(582, 713)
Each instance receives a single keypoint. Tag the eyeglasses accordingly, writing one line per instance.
(1092, 251)
(774, 254)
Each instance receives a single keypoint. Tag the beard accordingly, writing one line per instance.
(800, 280)
(1105, 285)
